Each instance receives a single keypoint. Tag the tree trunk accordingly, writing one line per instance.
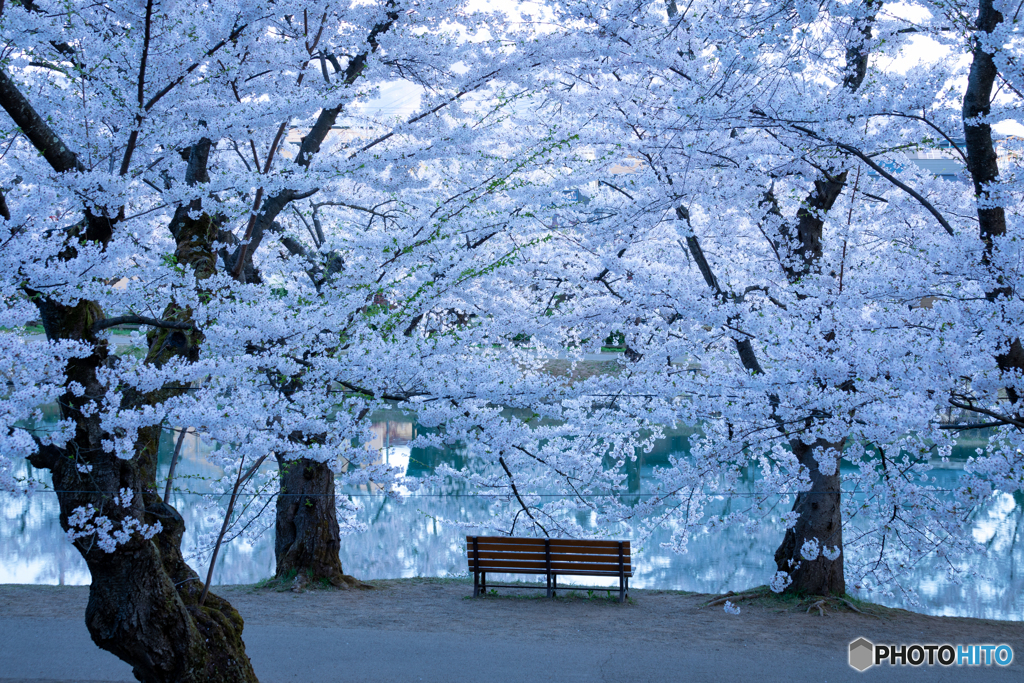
(983, 164)
(820, 518)
(143, 597)
(308, 539)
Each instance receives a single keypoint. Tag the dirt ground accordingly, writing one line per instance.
(446, 606)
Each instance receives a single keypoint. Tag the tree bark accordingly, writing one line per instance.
(143, 596)
(982, 161)
(308, 542)
(818, 509)
(820, 519)
(983, 165)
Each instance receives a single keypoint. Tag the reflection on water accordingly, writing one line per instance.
(406, 538)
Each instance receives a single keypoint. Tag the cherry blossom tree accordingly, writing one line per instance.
(722, 186)
(146, 176)
(781, 274)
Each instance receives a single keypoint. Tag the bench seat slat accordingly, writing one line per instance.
(555, 557)
(555, 542)
(541, 563)
(556, 567)
(542, 572)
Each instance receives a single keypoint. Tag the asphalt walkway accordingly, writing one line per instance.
(47, 650)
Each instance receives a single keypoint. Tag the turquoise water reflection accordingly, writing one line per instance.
(406, 538)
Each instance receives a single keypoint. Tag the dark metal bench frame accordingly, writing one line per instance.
(583, 552)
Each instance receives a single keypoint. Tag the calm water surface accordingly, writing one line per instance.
(406, 538)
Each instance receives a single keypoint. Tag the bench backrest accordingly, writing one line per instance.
(543, 555)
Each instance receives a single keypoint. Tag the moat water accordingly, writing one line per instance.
(405, 538)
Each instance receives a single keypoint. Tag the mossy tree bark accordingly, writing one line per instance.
(144, 598)
(308, 542)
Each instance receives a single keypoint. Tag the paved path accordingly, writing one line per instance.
(49, 650)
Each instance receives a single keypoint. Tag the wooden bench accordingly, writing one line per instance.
(549, 556)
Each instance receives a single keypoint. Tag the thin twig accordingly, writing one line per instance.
(241, 479)
(140, 320)
(174, 464)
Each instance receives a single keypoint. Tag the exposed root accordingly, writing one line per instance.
(851, 605)
(733, 597)
(820, 604)
(824, 604)
(300, 583)
(353, 582)
(857, 610)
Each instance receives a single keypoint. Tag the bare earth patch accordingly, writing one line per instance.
(651, 617)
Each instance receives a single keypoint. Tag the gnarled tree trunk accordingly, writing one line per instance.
(308, 539)
(143, 600)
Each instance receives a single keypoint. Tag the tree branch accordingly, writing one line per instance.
(35, 128)
(895, 181)
(46, 456)
(526, 509)
(139, 320)
(133, 139)
(933, 126)
(1005, 419)
(209, 53)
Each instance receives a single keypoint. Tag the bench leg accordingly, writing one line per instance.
(622, 589)
(483, 582)
(549, 594)
(554, 584)
(476, 584)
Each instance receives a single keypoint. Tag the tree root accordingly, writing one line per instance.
(825, 604)
(353, 582)
(820, 604)
(342, 581)
(851, 606)
(732, 597)
(835, 603)
(300, 583)
(857, 610)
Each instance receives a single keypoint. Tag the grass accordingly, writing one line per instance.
(119, 330)
(763, 596)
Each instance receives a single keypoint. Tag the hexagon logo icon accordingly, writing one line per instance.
(862, 654)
